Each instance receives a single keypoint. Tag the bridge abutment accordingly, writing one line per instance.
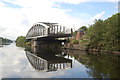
(34, 43)
(51, 45)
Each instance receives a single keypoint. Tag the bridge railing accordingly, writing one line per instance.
(57, 29)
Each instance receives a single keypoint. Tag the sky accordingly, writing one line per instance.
(18, 16)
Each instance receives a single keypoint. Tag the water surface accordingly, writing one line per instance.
(18, 62)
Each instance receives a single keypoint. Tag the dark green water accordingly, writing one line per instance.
(39, 62)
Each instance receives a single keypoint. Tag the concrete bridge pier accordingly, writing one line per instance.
(51, 45)
(34, 43)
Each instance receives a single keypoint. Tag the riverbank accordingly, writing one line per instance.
(83, 47)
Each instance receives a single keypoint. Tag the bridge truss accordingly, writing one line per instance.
(43, 29)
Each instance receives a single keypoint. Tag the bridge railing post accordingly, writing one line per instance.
(60, 29)
(54, 29)
(71, 30)
(63, 29)
(48, 30)
(57, 28)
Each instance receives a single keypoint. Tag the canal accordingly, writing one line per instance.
(18, 62)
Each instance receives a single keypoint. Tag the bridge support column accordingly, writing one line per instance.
(34, 43)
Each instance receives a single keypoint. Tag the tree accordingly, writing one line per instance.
(74, 33)
(5, 40)
(84, 28)
(113, 31)
(20, 41)
(95, 34)
(105, 34)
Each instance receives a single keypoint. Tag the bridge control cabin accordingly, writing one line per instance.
(48, 30)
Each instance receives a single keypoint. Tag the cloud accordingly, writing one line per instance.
(2, 29)
(119, 7)
(97, 16)
(18, 20)
(80, 1)
(2, 4)
(0, 64)
(112, 0)
(19, 66)
(12, 22)
(71, 1)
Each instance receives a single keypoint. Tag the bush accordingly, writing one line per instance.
(20, 41)
(75, 41)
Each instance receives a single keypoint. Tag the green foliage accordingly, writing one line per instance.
(101, 65)
(20, 41)
(74, 33)
(105, 34)
(5, 40)
(28, 44)
(84, 28)
(75, 41)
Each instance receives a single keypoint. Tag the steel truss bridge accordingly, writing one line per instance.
(48, 30)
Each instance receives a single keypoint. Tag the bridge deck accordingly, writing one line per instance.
(51, 36)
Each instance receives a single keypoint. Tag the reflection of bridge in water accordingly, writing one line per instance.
(45, 36)
(49, 62)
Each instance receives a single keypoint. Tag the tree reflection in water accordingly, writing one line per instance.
(99, 65)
